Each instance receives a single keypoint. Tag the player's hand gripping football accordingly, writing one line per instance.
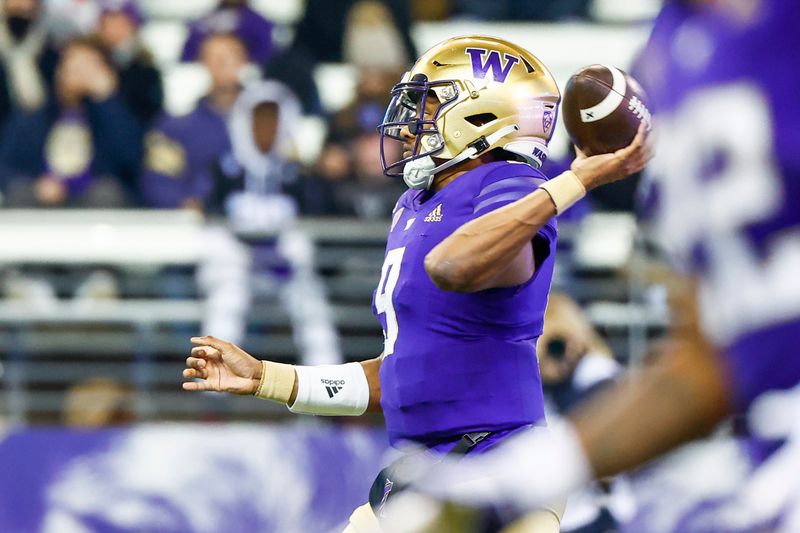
(601, 169)
(221, 366)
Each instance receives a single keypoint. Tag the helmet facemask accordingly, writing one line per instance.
(413, 111)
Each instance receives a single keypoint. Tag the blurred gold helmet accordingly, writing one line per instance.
(463, 97)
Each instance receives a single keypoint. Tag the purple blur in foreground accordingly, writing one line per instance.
(185, 477)
(726, 203)
(727, 180)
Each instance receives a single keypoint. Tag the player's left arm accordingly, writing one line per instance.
(349, 389)
(372, 368)
(495, 250)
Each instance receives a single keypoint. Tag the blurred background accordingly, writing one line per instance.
(176, 167)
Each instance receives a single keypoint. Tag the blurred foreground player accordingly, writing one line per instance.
(467, 268)
(727, 205)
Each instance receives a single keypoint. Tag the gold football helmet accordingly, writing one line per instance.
(463, 97)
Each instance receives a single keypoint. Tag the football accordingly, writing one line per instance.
(602, 109)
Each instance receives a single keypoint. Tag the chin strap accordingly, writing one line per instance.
(418, 174)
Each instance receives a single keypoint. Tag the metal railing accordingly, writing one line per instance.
(141, 342)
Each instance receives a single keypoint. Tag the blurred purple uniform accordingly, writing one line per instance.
(459, 362)
(727, 185)
(726, 191)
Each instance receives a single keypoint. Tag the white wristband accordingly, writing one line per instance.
(333, 390)
(565, 189)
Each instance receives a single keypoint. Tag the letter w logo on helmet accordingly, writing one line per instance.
(499, 71)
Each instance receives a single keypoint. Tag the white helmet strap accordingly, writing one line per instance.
(418, 174)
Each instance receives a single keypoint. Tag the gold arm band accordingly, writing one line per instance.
(565, 189)
(277, 382)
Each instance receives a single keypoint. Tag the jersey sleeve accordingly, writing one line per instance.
(506, 185)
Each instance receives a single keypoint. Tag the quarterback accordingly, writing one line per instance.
(467, 269)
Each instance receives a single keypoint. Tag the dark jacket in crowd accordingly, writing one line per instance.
(321, 29)
(115, 141)
(141, 87)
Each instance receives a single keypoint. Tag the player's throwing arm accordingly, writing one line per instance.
(476, 253)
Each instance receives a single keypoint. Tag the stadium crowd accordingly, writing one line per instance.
(83, 124)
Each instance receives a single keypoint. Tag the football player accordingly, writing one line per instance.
(727, 206)
(467, 269)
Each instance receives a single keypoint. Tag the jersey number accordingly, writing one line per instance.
(742, 289)
(384, 304)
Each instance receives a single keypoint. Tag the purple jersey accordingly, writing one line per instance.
(727, 179)
(459, 362)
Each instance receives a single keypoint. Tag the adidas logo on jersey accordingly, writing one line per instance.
(333, 386)
(435, 215)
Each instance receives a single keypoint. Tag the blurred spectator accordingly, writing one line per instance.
(426, 10)
(82, 149)
(181, 152)
(374, 195)
(249, 181)
(265, 253)
(365, 112)
(575, 362)
(27, 58)
(67, 19)
(538, 10)
(98, 402)
(348, 179)
(237, 18)
(294, 67)
(617, 196)
(35, 290)
(139, 79)
(232, 157)
(322, 29)
(324, 191)
(573, 358)
(367, 33)
(369, 27)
